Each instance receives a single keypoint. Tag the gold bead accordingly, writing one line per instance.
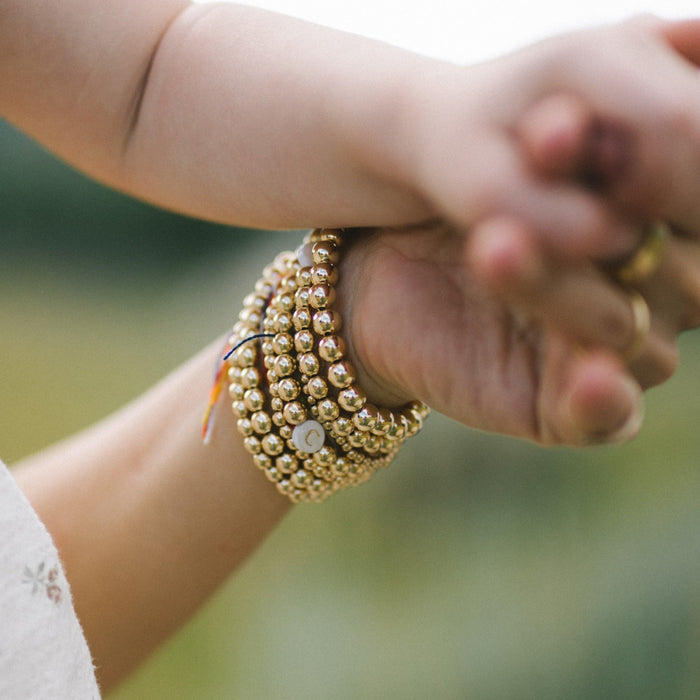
(287, 463)
(294, 413)
(342, 426)
(273, 474)
(385, 419)
(246, 356)
(331, 348)
(262, 461)
(301, 479)
(289, 284)
(352, 399)
(325, 252)
(283, 260)
(387, 446)
(372, 444)
(236, 391)
(316, 469)
(304, 341)
(264, 288)
(328, 410)
(240, 331)
(317, 388)
(285, 431)
(252, 444)
(422, 408)
(282, 322)
(288, 389)
(249, 299)
(239, 409)
(245, 427)
(284, 486)
(284, 365)
(325, 457)
(272, 444)
(233, 357)
(251, 317)
(301, 319)
(320, 488)
(333, 234)
(304, 277)
(284, 302)
(250, 378)
(276, 403)
(398, 429)
(254, 399)
(283, 343)
(261, 422)
(268, 324)
(326, 322)
(324, 274)
(302, 297)
(278, 418)
(341, 466)
(321, 296)
(341, 374)
(366, 417)
(359, 439)
(355, 456)
(297, 495)
(309, 364)
(414, 421)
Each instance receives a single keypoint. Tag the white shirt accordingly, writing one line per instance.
(43, 652)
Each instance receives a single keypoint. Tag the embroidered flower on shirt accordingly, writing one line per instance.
(43, 581)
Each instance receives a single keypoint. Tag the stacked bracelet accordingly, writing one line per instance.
(308, 425)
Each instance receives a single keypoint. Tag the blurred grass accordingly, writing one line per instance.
(476, 567)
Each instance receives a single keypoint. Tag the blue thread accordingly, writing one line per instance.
(244, 341)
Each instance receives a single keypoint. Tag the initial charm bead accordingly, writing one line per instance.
(307, 424)
(309, 436)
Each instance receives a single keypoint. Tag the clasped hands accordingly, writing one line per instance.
(546, 304)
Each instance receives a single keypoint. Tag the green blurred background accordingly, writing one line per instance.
(476, 567)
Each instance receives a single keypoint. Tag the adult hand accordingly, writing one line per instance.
(491, 331)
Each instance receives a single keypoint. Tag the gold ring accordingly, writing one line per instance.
(647, 257)
(641, 321)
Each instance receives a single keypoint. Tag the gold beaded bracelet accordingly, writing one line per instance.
(309, 427)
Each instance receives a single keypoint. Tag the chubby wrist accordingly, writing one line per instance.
(381, 115)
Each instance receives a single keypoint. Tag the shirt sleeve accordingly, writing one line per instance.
(43, 652)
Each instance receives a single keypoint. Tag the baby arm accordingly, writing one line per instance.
(244, 116)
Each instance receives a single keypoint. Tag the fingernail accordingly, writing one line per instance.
(626, 431)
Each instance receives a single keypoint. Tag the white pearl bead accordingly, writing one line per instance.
(309, 436)
(304, 255)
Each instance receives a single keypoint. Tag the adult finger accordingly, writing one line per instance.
(576, 301)
(586, 397)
